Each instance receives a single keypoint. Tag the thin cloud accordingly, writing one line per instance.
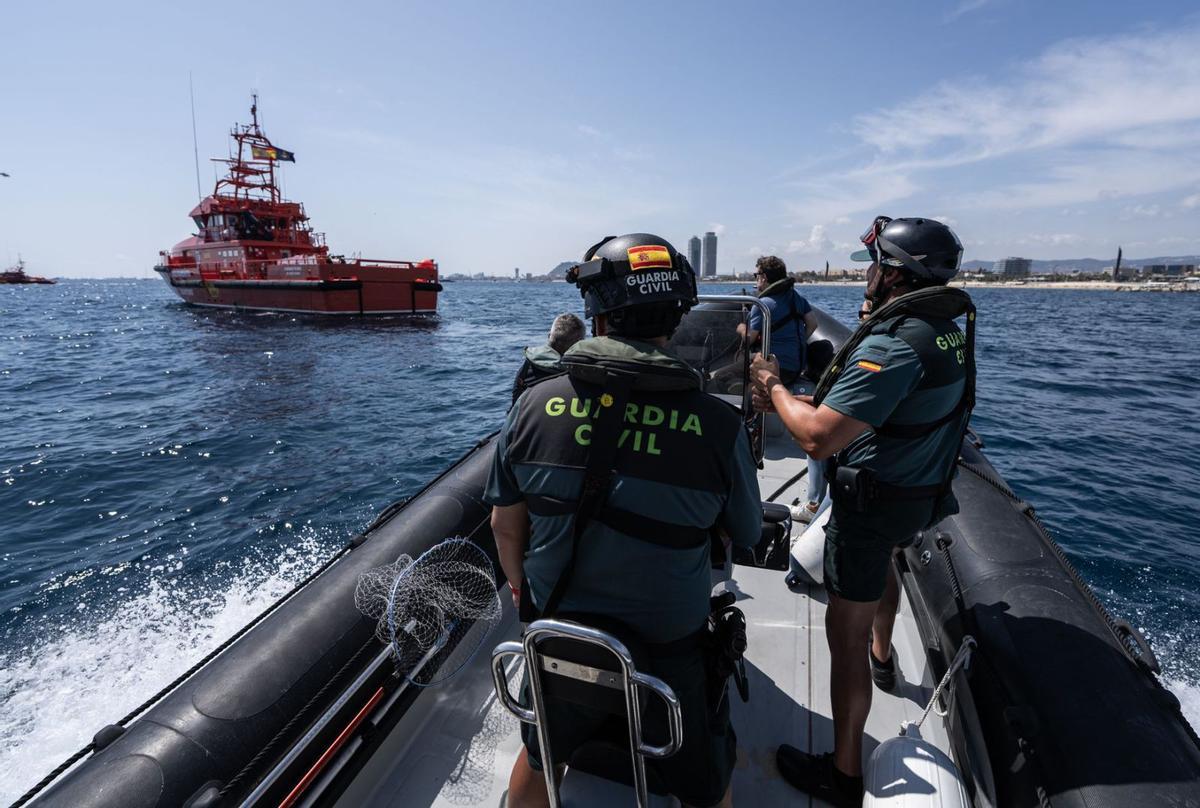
(1089, 120)
(1078, 91)
(965, 7)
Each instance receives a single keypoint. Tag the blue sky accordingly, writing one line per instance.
(500, 135)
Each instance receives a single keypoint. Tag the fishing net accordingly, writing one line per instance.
(432, 612)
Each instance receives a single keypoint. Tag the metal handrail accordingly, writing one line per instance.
(747, 300)
(632, 682)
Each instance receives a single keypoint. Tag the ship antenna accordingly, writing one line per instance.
(195, 145)
(254, 110)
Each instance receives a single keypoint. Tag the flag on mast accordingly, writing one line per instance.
(272, 153)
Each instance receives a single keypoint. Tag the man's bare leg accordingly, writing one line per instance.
(885, 617)
(847, 626)
(526, 785)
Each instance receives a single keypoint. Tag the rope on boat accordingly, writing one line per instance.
(960, 662)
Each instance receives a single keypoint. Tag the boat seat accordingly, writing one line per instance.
(569, 662)
(771, 552)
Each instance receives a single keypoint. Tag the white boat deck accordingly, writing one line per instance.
(456, 745)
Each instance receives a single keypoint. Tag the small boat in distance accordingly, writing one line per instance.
(255, 250)
(16, 274)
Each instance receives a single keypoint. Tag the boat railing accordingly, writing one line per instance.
(384, 264)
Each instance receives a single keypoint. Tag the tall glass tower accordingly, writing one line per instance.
(710, 255)
(694, 252)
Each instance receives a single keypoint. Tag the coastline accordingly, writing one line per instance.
(1091, 286)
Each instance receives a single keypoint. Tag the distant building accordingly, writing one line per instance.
(517, 274)
(710, 255)
(1013, 267)
(694, 252)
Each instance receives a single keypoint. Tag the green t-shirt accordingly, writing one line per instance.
(880, 384)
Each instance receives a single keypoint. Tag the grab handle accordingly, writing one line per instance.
(1144, 654)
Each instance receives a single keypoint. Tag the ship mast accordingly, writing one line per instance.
(251, 176)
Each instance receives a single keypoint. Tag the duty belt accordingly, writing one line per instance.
(860, 487)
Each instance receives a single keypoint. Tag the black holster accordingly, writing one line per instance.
(725, 647)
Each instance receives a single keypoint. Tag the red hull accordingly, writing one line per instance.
(351, 288)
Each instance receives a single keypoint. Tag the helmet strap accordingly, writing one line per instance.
(911, 263)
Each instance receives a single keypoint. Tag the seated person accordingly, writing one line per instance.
(542, 361)
(792, 318)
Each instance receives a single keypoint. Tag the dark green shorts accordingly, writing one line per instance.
(698, 774)
(859, 546)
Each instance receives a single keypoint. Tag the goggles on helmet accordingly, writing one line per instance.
(870, 238)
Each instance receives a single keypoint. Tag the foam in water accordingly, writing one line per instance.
(91, 669)
(1188, 694)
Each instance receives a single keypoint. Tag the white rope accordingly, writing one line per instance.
(960, 661)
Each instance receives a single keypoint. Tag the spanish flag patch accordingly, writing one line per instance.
(648, 257)
(874, 367)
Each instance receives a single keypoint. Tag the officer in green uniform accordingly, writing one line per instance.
(542, 361)
(891, 424)
(681, 467)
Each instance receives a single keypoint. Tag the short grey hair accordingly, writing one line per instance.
(566, 330)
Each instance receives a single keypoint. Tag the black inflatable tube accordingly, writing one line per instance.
(206, 730)
(1055, 707)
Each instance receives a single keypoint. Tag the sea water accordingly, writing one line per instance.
(166, 472)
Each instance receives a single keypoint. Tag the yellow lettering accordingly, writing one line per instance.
(579, 407)
(650, 447)
(674, 419)
(692, 424)
(631, 413)
(555, 406)
(583, 434)
(637, 441)
(652, 416)
(941, 343)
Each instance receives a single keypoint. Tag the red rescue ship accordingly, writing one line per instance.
(256, 250)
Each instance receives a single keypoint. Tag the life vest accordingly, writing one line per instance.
(614, 373)
(917, 318)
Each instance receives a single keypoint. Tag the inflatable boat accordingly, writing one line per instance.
(1043, 697)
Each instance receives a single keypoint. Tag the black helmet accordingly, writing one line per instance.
(638, 269)
(924, 248)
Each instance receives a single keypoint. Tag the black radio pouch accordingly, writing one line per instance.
(853, 487)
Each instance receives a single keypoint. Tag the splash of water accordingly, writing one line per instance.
(72, 676)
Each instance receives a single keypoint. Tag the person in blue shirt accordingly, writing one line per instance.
(792, 323)
(792, 318)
